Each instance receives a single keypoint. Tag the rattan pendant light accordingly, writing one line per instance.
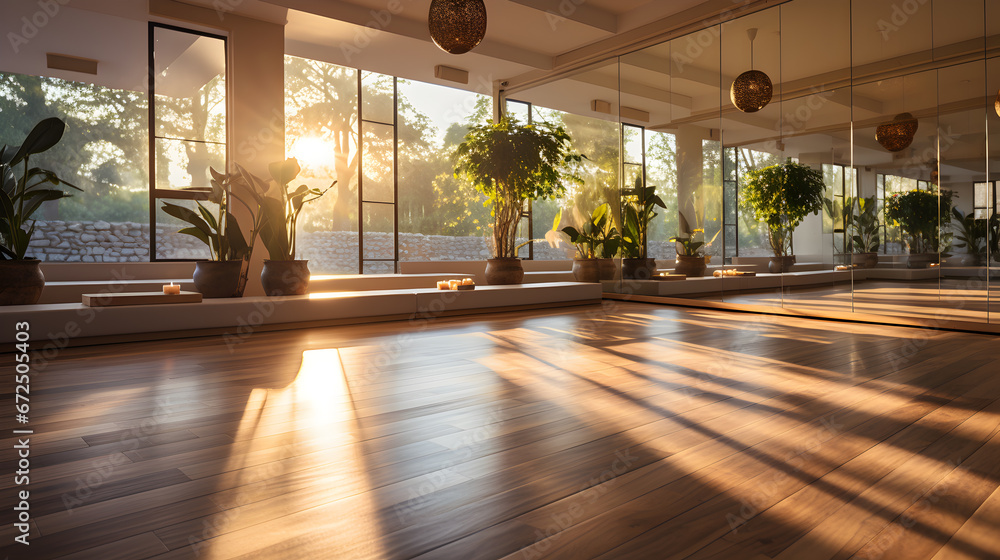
(752, 90)
(997, 104)
(897, 135)
(457, 26)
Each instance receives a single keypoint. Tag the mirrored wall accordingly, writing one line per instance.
(823, 157)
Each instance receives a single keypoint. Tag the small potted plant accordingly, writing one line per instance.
(782, 196)
(920, 215)
(994, 236)
(596, 241)
(691, 260)
(283, 274)
(865, 229)
(972, 235)
(23, 192)
(225, 274)
(638, 210)
(510, 164)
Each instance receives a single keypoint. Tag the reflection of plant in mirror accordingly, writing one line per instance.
(994, 241)
(692, 244)
(971, 232)
(865, 225)
(920, 215)
(782, 196)
(597, 238)
(639, 209)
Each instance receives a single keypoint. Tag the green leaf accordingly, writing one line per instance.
(187, 215)
(209, 218)
(195, 232)
(43, 136)
(285, 172)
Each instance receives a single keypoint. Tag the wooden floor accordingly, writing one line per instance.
(624, 432)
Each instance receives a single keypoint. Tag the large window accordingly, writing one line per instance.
(413, 207)
(103, 152)
(187, 115)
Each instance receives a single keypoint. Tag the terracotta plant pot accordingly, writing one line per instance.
(865, 260)
(607, 268)
(587, 270)
(638, 269)
(218, 279)
(692, 267)
(503, 272)
(285, 278)
(21, 282)
(921, 260)
(778, 265)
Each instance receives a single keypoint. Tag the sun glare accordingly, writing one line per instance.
(314, 154)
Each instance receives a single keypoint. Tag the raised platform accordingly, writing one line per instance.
(73, 323)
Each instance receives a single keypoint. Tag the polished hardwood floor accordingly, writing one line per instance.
(627, 431)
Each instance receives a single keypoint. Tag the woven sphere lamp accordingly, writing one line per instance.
(898, 134)
(457, 26)
(752, 90)
(997, 104)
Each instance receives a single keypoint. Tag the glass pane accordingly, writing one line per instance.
(379, 267)
(378, 231)
(377, 162)
(182, 164)
(518, 110)
(190, 82)
(962, 122)
(173, 245)
(377, 95)
(441, 218)
(321, 130)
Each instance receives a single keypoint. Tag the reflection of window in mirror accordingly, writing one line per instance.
(985, 203)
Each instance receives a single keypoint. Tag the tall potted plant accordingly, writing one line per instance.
(283, 274)
(920, 214)
(994, 236)
(782, 196)
(511, 163)
(864, 231)
(638, 209)
(972, 234)
(596, 241)
(23, 192)
(224, 275)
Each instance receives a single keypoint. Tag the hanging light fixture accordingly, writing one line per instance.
(997, 104)
(898, 134)
(457, 26)
(752, 90)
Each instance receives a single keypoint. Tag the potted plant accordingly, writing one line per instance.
(972, 234)
(23, 192)
(596, 241)
(283, 275)
(920, 214)
(994, 236)
(782, 196)
(638, 209)
(511, 163)
(224, 275)
(865, 229)
(691, 260)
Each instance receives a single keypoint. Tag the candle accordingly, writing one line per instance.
(453, 284)
(173, 290)
(442, 284)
